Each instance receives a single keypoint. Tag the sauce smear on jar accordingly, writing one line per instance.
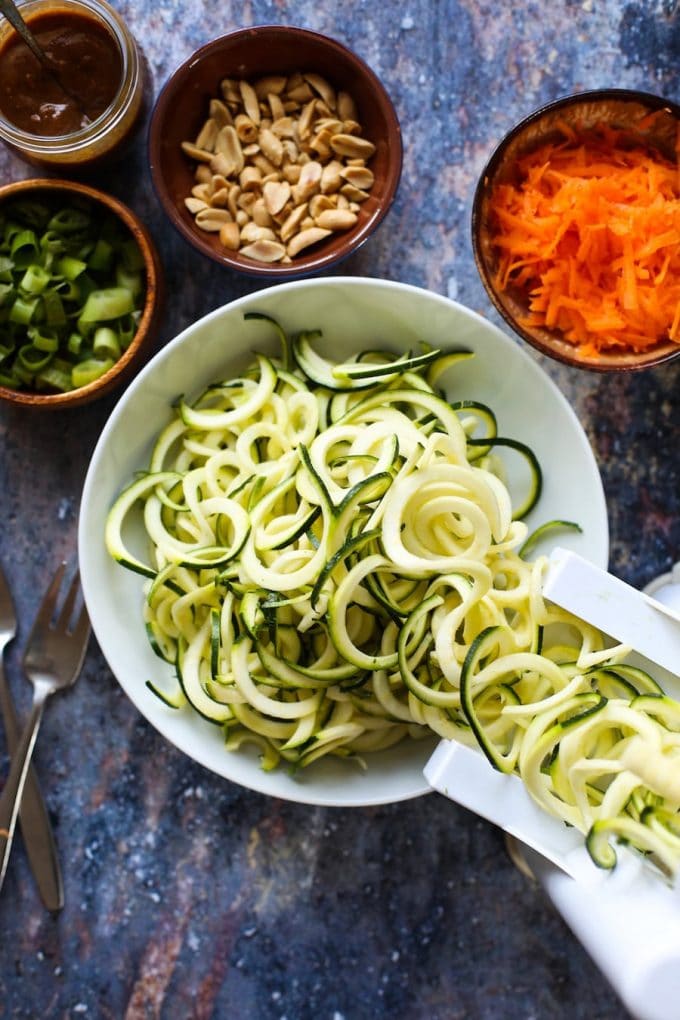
(87, 75)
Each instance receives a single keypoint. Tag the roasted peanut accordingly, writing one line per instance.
(331, 177)
(320, 85)
(308, 182)
(220, 113)
(306, 238)
(336, 219)
(250, 178)
(300, 94)
(229, 90)
(353, 194)
(360, 176)
(220, 197)
(271, 84)
(271, 146)
(291, 172)
(193, 151)
(260, 213)
(203, 191)
(251, 232)
(195, 205)
(306, 120)
(283, 127)
(264, 251)
(246, 129)
(346, 106)
(230, 236)
(203, 174)
(265, 165)
(281, 165)
(228, 144)
(276, 107)
(319, 204)
(207, 135)
(352, 145)
(291, 224)
(276, 194)
(250, 101)
(211, 220)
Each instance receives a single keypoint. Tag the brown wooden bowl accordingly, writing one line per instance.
(646, 120)
(132, 358)
(251, 53)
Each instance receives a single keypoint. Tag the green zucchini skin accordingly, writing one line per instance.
(334, 565)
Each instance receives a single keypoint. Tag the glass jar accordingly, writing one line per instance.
(106, 135)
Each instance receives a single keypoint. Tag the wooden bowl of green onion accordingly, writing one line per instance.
(80, 293)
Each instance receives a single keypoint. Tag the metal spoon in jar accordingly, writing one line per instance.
(13, 15)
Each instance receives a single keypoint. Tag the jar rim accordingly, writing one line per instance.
(74, 140)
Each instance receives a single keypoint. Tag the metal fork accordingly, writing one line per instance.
(52, 661)
(35, 822)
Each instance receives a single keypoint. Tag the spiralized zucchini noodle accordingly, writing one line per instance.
(335, 565)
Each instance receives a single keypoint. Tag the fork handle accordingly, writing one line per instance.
(36, 827)
(14, 787)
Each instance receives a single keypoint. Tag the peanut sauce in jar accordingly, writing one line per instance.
(87, 74)
(87, 105)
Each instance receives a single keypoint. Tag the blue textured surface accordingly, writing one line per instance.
(187, 896)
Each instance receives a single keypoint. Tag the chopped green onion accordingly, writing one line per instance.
(105, 343)
(33, 214)
(67, 290)
(71, 293)
(109, 303)
(35, 279)
(54, 378)
(102, 256)
(88, 371)
(54, 308)
(44, 341)
(6, 266)
(22, 310)
(131, 280)
(23, 248)
(85, 287)
(69, 220)
(10, 380)
(23, 374)
(131, 256)
(33, 358)
(126, 330)
(52, 243)
(74, 343)
(71, 268)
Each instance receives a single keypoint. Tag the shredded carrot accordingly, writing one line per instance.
(590, 233)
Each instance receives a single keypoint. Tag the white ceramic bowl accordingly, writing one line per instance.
(352, 313)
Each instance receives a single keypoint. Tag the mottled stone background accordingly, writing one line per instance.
(187, 896)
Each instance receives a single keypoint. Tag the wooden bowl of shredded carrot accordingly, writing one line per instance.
(576, 229)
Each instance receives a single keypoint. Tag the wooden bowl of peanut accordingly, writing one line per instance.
(275, 151)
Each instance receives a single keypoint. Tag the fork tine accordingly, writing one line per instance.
(47, 606)
(81, 627)
(52, 660)
(69, 602)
